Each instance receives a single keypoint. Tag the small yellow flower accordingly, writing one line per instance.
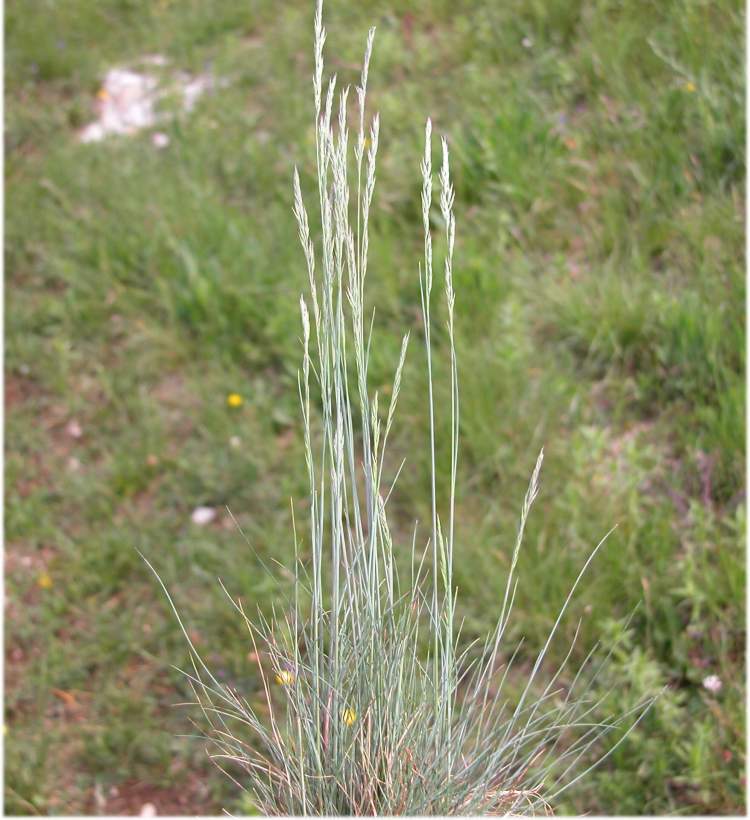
(44, 581)
(284, 678)
(102, 94)
(349, 716)
(235, 400)
(689, 87)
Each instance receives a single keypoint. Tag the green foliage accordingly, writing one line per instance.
(600, 313)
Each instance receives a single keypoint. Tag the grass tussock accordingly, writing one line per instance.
(383, 711)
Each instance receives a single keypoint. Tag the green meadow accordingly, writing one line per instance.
(598, 157)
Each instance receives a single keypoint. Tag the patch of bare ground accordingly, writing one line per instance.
(188, 797)
(17, 390)
(174, 395)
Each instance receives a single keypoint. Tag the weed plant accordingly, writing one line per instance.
(371, 704)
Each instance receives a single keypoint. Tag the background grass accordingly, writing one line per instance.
(598, 150)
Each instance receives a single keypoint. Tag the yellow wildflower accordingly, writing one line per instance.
(235, 400)
(689, 87)
(349, 716)
(284, 678)
(44, 581)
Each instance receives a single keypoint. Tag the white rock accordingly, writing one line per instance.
(128, 100)
(203, 515)
(94, 132)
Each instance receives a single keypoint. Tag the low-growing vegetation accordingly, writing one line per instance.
(152, 348)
